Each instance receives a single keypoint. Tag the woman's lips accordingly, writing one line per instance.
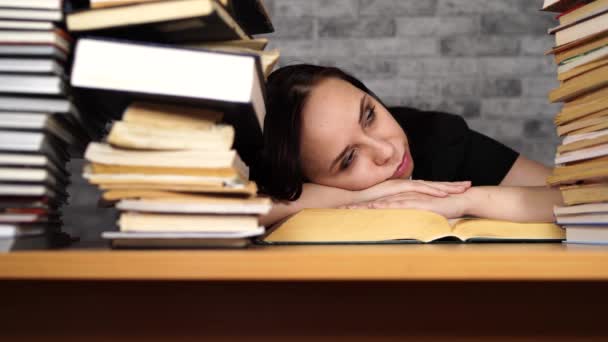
(402, 167)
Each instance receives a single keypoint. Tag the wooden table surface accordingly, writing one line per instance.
(436, 262)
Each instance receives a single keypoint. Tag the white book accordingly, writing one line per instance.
(35, 37)
(141, 69)
(32, 84)
(9, 230)
(31, 14)
(580, 209)
(587, 234)
(51, 123)
(256, 206)
(584, 136)
(25, 190)
(37, 50)
(590, 57)
(8, 174)
(582, 154)
(31, 104)
(31, 65)
(38, 4)
(26, 25)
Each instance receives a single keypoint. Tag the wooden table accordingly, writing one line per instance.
(439, 292)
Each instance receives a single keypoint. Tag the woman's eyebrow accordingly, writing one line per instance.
(341, 155)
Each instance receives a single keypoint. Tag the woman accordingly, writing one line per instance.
(330, 142)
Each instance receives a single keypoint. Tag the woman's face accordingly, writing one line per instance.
(349, 140)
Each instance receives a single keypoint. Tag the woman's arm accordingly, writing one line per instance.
(320, 196)
(519, 204)
(526, 172)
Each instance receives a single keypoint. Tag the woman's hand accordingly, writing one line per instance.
(398, 186)
(450, 206)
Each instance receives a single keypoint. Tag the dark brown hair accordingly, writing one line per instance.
(278, 171)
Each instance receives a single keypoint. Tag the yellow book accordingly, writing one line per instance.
(401, 226)
(118, 193)
(148, 137)
(146, 222)
(170, 116)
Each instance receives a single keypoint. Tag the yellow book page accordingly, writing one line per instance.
(361, 225)
(168, 116)
(494, 229)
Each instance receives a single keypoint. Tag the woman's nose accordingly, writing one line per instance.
(382, 151)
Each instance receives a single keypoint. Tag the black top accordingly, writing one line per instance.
(445, 149)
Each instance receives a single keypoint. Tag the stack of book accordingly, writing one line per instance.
(186, 80)
(581, 170)
(39, 125)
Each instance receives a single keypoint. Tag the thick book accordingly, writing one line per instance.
(584, 27)
(583, 48)
(171, 116)
(181, 240)
(32, 66)
(26, 25)
(194, 159)
(588, 171)
(147, 137)
(343, 226)
(581, 11)
(117, 192)
(581, 208)
(162, 21)
(34, 142)
(561, 5)
(580, 85)
(583, 107)
(252, 15)
(199, 204)
(33, 50)
(60, 126)
(149, 222)
(31, 14)
(56, 37)
(32, 161)
(268, 58)
(228, 82)
(585, 193)
(582, 154)
(587, 234)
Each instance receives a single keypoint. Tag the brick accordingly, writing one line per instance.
(536, 45)
(519, 108)
(468, 108)
(497, 127)
(445, 67)
(480, 6)
(460, 87)
(479, 46)
(492, 87)
(292, 28)
(378, 47)
(541, 151)
(293, 8)
(540, 129)
(356, 28)
(337, 8)
(302, 48)
(524, 23)
(512, 66)
(538, 86)
(393, 8)
(389, 89)
(361, 66)
(436, 26)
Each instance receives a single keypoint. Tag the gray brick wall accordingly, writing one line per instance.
(482, 59)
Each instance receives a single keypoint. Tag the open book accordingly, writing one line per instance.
(312, 226)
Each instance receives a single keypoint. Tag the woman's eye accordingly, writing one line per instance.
(371, 114)
(347, 161)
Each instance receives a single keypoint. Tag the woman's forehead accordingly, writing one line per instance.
(331, 102)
